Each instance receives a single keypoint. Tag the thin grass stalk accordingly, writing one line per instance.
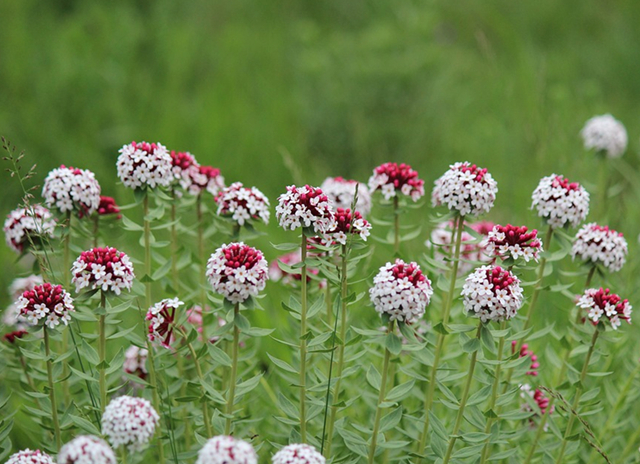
(234, 370)
(174, 244)
(303, 341)
(66, 279)
(52, 391)
(205, 403)
(102, 350)
(396, 226)
(538, 287)
(203, 265)
(96, 229)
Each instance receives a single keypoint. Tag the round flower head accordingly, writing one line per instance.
(603, 305)
(227, 450)
(72, 189)
(108, 206)
(402, 291)
(30, 457)
(243, 204)
(237, 272)
(525, 351)
(513, 242)
(492, 294)
(130, 422)
(472, 250)
(135, 362)
(392, 178)
(46, 304)
(86, 449)
(103, 268)
(466, 189)
(600, 245)
(605, 134)
(560, 202)
(208, 179)
(305, 207)
(185, 168)
(145, 164)
(298, 454)
(162, 317)
(341, 192)
(24, 225)
(348, 223)
(16, 289)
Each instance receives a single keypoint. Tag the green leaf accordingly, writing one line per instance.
(471, 345)
(487, 338)
(393, 343)
(391, 420)
(241, 322)
(282, 364)
(85, 425)
(248, 385)
(400, 392)
(374, 378)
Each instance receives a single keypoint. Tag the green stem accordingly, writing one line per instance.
(463, 401)
(632, 444)
(538, 287)
(123, 455)
(66, 273)
(603, 186)
(234, 370)
(205, 403)
(96, 229)
(586, 286)
(381, 396)
(396, 226)
(328, 304)
(153, 380)
(303, 341)
(25, 369)
(102, 349)
(174, 244)
(52, 392)
(203, 267)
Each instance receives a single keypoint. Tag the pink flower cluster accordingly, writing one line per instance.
(348, 223)
(237, 272)
(20, 285)
(605, 134)
(540, 399)
(130, 422)
(108, 206)
(392, 178)
(466, 189)
(492, 294)
(71, 189)
(162, 317)
(227, 450)
(525, 351)
(145, 164)
(105, 268)
(560, 202)
(514, 242)
(601, 302)
(30, 457)
(243, 204)
(135, 362)
(46, 304)
(24, 225)
(86, 449)
(442, 240)
(305, 207)
(402, 291)
(341, 192)
(600, 245)
(298, 454)
(11, 337)
(185, 169)
(209, 179)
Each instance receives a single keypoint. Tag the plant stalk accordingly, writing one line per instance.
(303, 341)
(396, 226)
(203, 266)
(102, 350)
(174, 244)
(52, 392)
(234, 370)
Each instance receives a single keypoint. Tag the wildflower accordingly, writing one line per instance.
(12, 336)
(237, 272)
(472, 250)
(525, 351)
(162, 317)
(135, 362)
(541, 401)
(185, 169)
(208, 179)
(129, 421)
(348, 223)
(605, 134)
(16, 289)
(601, 302)
(402, 291)
(72, 189)
(108, 206)
(27, 224)
(305, 207)
(86, 449)
(492, 294)
(243, 204)
(46, 304)
(105, 268)
(466, 189)
(514, 242)
(227, 450)
(143, 164)
(298, 454)
(392, 178)
(560, 202)
(30, 457)
(342, 191)
(600, 245)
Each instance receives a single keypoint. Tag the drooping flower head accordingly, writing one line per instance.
(560, 202)
(26, 225)
(185, 168)
(106, 269)
(514, 242)
(541, 401)
(135, 362)
(492, 294)
(605, 134)
(20, 285)
(30, 457)
(162, 317)
(472, 250)
(600, 245)
(466, 189)
(601, 302)
(130, 422)
(237, 271)
(71, 189)
(305, 207)
(402, 291)
(341, 192)
(227, 450)
(525, 351)
(143, 164)
(243, 204)
(108, 206)
(348, 223)
(86, 449)
(298, 454)
(209, 179)
(395, 179)
(46, 304)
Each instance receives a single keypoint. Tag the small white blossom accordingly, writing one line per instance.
(130, 422)
(227, 450)
(606, 134)
(600, 245)
(86, 449)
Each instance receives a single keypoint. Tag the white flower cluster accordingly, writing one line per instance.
(601, 302)
(30, 457)
(209, 179)
(105, 268)
(227, 450)
(129, 421)
(465, 188)
(45, 304)
(145, 164)
(492, 294)
(605, 133)
(135, 361)
(243, 204)
(600, 245)
(402, 291)
(513, 242)
(162, 317)
(471, 249)
(305, 207)
(33, 222)
(186, 170)
(69, 189)
(298, 454)
(237, 271)
(20, 285)
(86, 449)
(341, 192)
(560, 202)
